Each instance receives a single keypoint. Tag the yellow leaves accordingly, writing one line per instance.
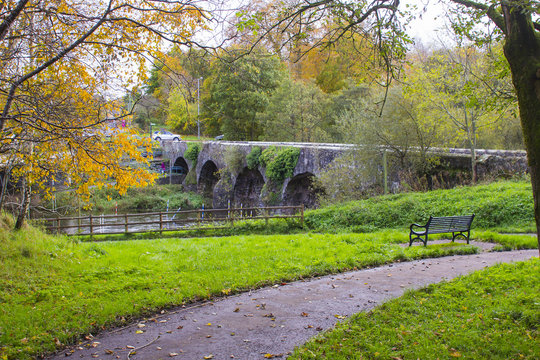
(455, 353)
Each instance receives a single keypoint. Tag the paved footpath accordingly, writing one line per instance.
(277, 319)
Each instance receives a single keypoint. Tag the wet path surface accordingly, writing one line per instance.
(275, 320)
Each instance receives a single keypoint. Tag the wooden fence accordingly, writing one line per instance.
(167, 220)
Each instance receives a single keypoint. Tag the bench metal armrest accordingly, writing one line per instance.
(417, 225)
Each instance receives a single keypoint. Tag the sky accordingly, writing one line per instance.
(429, 22)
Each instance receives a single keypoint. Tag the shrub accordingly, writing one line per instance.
(192, 152)
(268, 155)
(282, 166)
(234, 159)
(279, 163)
(253, 158)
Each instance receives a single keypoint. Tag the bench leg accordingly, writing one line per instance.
(466, 235)
(425, 241)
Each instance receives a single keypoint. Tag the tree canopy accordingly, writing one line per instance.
(62, 64)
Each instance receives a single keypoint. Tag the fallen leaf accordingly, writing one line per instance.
(140, 326)
(271, 356)
(130, 347)
(209, 357)
(209, 324)
(110, 352)
(139, 332)
(340, 316)
(24, 340)
(180, 327)
(226, 291)
(305, 314)
(173, 354)
(236, 310)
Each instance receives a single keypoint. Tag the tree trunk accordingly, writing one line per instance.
(5, 182)
(522, 50)
(24, 205)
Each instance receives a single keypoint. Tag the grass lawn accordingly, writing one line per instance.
(53, 291)
(502, 205)
(491, 314)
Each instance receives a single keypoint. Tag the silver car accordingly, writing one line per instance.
(162, 135)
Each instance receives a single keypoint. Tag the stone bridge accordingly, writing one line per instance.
(221, 172)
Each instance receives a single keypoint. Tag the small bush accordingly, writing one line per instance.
(253, 158)
(192, 152)
(279, 163)
(267, 155)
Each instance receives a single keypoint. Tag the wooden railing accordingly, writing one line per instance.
(167, 220)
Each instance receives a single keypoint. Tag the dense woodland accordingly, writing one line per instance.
(458, 95)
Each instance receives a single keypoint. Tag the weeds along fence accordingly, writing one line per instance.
(167, 220)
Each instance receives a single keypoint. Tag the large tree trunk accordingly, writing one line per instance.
(522, 50)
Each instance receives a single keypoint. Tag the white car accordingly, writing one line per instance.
(165, 135)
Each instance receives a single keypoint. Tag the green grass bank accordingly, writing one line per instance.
(505, 205)
(490, 314)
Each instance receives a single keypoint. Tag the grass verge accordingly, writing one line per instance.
(507, 241)
(501, 204)
(53, 291)
(490, 314)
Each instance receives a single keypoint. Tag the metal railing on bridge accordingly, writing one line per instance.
(167, 220)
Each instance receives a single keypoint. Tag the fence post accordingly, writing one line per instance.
(302, 216)
(385, 172)
(160, 222)
(91, 226)
(57, 226)
(126, 223)
(266, 214)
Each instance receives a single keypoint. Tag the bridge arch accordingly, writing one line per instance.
(208, 178)
(179, 170)
(301, 189)
(247, 189)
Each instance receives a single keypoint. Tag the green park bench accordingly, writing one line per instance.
(457, 225)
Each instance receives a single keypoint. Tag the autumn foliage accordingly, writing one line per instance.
(63, 65)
